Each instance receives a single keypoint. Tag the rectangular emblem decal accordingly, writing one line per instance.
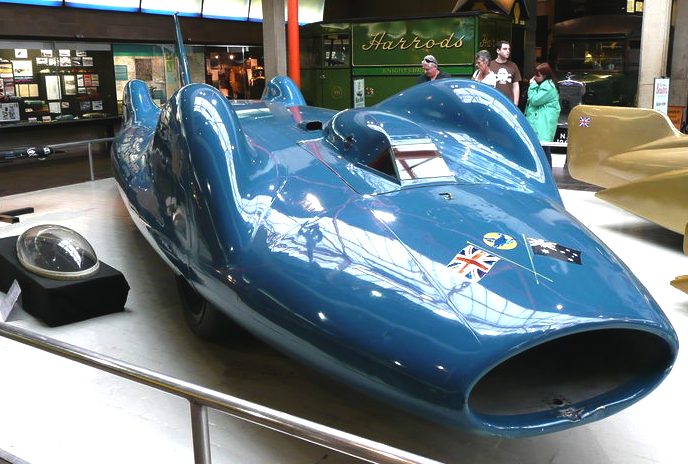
(472, 263)
(554, 250)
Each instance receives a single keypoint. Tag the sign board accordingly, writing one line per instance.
(359, 93)
(676, 113)
(405, 43)
(660, 101)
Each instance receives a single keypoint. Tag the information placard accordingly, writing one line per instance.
(661, 95)
(8, 301)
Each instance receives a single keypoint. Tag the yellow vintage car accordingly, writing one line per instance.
(639, 158)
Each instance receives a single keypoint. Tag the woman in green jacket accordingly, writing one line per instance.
(542, 109)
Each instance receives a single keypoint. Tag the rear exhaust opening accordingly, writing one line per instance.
(573, 369)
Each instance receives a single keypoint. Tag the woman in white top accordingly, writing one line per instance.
(483, 73)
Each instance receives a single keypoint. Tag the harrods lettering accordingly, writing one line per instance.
(487, 42)
(378, 42)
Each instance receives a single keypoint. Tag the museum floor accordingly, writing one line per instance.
(56, 411)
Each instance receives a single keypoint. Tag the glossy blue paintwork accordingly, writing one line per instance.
(270, 210)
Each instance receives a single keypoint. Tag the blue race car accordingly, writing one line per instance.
(417, 250)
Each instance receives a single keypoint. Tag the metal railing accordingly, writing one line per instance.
(201, 398)
(110, 139)
(19, 153)
(90, 152)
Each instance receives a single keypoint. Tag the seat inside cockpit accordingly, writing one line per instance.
(387, 144)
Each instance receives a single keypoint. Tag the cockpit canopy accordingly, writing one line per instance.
(390, 145)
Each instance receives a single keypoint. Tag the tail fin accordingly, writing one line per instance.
(181, 54)
(597, 133)
(137, 104)
(283, 90)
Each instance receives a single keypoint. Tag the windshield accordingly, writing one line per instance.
(590, 55)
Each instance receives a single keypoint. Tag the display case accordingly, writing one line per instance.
(235, 70)
(46, 82)
(156, 65)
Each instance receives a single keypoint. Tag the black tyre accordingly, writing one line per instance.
(204, 319)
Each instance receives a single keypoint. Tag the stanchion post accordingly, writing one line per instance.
(90, 161)
(200, 433)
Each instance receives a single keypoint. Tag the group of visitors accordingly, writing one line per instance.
(542, 105)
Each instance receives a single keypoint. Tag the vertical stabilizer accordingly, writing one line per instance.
(181, 54)
(605, 142)
(282, 89)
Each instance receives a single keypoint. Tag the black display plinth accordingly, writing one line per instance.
(58, 302)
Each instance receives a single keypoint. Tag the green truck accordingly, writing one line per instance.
(359, 63)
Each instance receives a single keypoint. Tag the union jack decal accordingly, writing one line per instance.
(472, 263)
(584, 121)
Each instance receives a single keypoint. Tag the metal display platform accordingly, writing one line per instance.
(81, 415)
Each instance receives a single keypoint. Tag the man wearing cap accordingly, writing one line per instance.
(431, 70)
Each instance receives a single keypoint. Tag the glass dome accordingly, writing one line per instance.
(56, 252)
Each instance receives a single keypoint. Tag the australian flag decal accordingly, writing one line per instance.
(472, 263)
(554, 250)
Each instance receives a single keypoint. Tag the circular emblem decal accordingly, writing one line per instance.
(499, 241)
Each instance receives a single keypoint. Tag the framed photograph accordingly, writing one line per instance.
(41, 61)
(87, 60)
(80, 53)
(47, 53)
(52, 88)
(9, 112)
(85, 106)
(6, 69)
(55, 107)
(22, 90)
(97, 105)
(7, 87)
(64, 53)
(65, 62)
(143, 69)
(23, 70)
(21, 53)
(69, 84)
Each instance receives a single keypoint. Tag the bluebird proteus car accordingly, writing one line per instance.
(417, 250)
